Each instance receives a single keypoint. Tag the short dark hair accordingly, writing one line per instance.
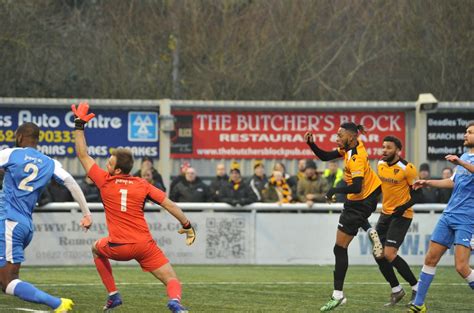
(28, 129)
(124, 159)
(395, 140)
(147, 158)
(424, 167)
(310, 164)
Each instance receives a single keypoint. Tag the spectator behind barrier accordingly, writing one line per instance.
(147, 174)
(445, 193)
(290, 180)
(300, 173)
(277, 189)
(221, 179)
(90, 190)
(182, 170)
(428, 194)
(236, 191)
(147, 164)
(333, 173)
(191, 189)
(258, 181)
(312, 187)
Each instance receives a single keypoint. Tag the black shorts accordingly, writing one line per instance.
(356, 213)
(392, 230)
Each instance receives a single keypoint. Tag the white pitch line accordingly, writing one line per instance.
(239, 283)
(30, 310)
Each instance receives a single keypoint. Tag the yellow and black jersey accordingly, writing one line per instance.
(356, 164)
(397, 180)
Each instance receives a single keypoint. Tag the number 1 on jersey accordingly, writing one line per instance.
(123, 200)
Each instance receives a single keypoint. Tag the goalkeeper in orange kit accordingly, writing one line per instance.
(124, 197)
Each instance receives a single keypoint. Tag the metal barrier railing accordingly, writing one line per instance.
(254, 207)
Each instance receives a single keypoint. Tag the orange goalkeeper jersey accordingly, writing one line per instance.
(356, 164)
(124, 199)
(397, 180)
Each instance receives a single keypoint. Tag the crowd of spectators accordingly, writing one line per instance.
(308, 185)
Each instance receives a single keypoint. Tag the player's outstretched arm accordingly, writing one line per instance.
(436, 183)
(321, 154)
(81, 118)
(457, 161)
(186, 228)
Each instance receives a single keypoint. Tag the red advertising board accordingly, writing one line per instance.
(274, 135)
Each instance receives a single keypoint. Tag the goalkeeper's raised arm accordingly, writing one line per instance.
(81, 117)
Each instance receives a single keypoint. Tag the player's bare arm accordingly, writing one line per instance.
(187, 228)
(457, 161)
(81, 118)
(438, 183)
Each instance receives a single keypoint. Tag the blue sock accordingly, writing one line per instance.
(426, 277)
(30, 293)
(471, 284)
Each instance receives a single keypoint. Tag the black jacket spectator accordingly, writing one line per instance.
(236, 191)
(258, 181)
(182, 169)
(428, 194)
(147, 163)
(195, 191)
(217, 182)
(257, 184)
(58, 192)
(44, 198)
(157, 179)
(216, 186)
(444, 194)
(191, 189)
(147, 174)
(90, 190)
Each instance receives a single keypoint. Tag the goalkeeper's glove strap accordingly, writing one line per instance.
(79, 124)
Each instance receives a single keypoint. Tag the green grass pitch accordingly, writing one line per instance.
(239, 289)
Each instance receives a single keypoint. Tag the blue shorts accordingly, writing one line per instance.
(447, 233)
(14, 238)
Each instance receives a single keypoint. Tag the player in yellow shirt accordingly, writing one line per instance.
(363, 189)
(397, 176)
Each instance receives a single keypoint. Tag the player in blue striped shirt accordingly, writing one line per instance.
(27, 172)
(456, 224)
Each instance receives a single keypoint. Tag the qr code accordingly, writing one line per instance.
(225, 238)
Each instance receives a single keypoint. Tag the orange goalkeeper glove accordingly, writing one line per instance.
(188, 229)
(80, 115)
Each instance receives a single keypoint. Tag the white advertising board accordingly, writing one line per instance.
(223, 238)
(227, 238)
(310, 238)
